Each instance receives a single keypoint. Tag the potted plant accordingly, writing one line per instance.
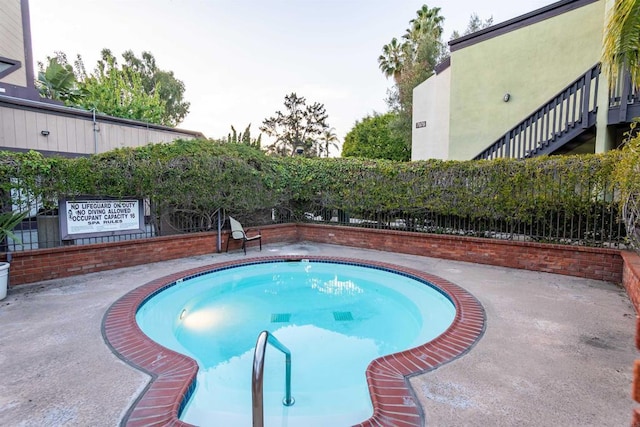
(8, 221)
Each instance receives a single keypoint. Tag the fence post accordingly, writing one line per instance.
(219, 237)
(507, 144)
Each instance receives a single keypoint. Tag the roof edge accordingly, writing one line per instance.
(518, 22)
(86, 114)
(442, 65)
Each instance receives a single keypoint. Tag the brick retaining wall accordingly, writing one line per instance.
(45, 264)
(594, 263)
(631, 277)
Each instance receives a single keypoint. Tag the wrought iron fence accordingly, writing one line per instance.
(558, 227)
(598, 225)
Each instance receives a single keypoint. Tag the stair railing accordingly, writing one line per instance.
(564, 117)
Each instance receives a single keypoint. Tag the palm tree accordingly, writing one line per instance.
(427, 23)
(392, 59)
(622, 41)
(423, 36)
(328, 139)
(396, 56)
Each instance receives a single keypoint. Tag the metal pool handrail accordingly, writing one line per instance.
(257, 376)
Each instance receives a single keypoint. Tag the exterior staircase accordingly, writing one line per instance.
(566, 118)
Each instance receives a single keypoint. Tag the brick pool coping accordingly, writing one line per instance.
(173, 374)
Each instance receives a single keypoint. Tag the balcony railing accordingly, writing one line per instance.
(624, 102)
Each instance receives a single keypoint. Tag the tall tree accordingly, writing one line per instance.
(622, 40)
(301, 125)
(119, 92)
(427, 23)
(392, 59)
(328, 140)
(136, 90)
(170, 89)
(421, 51)
(236, 137)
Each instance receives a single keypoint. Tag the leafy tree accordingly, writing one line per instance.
(58, 81)
(136, 90)
(171, 90)
(373, 138)
(301, 125)
(328, 139)
(622, 40)
(244, 137)
(119, 92)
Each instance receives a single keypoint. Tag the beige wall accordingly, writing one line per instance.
(431, 105)
(532, 64)
(21, 129)
(11, 35)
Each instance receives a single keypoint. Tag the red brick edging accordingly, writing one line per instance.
(173, 374)
(589, 262)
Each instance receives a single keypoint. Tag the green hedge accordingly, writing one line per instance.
(203, 176)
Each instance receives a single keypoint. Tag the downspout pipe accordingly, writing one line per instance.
(95, 132)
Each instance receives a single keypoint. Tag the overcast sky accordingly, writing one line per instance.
(238, 59)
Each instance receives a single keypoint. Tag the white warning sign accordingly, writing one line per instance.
(101, 216)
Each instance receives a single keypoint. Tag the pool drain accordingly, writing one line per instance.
(342, 316)
(280, 317)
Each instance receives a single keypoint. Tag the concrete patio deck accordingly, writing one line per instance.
(557, 350)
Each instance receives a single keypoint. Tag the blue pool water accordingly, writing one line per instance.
(335, 318)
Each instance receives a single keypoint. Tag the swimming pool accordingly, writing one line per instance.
(335, 318)
(386, 376)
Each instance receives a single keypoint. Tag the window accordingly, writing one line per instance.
(8, 66)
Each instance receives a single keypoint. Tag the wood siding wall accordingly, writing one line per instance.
(12, 40)
(21, 129)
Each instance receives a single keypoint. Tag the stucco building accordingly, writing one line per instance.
(525, 87)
